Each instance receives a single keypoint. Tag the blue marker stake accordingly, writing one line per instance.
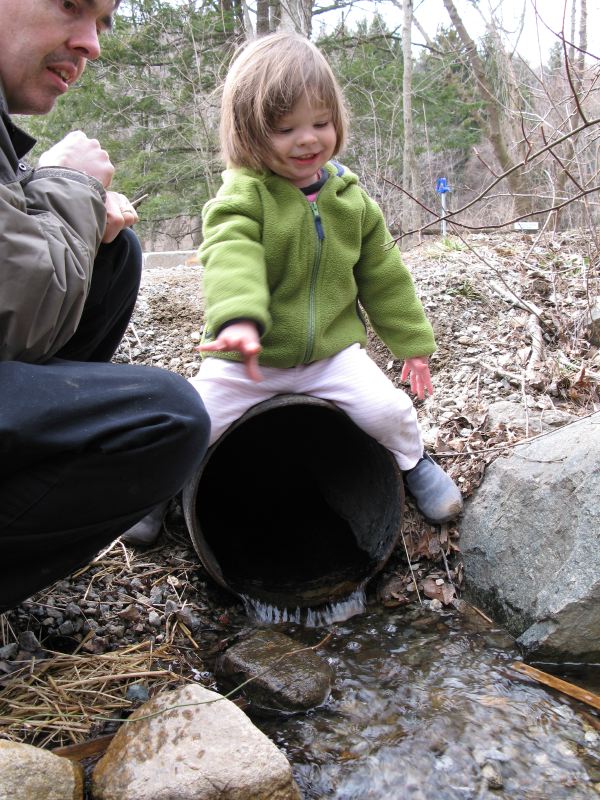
(442, 188)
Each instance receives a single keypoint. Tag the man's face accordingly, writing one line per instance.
(44, 46)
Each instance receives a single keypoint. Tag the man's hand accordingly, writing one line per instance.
(420, 377)
(243, 338)
(76, 151)
(119, 214)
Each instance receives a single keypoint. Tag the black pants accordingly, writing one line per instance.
(88, 448)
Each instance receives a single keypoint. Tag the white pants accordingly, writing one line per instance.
(349, 379)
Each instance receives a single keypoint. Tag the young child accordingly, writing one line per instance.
(292, 249)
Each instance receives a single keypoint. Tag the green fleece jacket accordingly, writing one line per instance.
(302, 270)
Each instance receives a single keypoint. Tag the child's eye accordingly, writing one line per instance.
(321, 124)
(283, 130)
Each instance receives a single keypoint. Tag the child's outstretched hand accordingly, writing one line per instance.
(420, 377)
(243, 338)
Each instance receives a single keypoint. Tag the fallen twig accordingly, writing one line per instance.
(566, 363)
(557, 683)
(536, 360)
(93, 747)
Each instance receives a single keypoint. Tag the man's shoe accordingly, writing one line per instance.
(146, 531)
(437, 497)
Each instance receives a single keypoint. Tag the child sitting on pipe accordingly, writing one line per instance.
(292, 249)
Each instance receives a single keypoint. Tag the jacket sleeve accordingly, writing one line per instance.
(387, 292)
(232, 254)
(51, 226)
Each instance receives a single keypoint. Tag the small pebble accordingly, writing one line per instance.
(493, 776)
(28, 641)
(8, 651)
(154, 619)
(137, 692)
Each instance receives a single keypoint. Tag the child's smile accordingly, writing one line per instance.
(303, 140)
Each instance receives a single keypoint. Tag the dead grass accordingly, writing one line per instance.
(65, 699)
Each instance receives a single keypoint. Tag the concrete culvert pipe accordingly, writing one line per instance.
(294, 506)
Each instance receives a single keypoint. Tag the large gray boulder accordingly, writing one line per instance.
(530, 538)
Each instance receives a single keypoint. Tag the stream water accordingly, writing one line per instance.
(425, 705)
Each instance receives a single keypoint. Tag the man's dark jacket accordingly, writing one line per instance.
(51, 225)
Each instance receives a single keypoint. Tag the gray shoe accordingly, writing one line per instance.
(437, 497)
(147, 530)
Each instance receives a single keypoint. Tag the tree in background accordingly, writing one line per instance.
(150, 100)
(473, 111)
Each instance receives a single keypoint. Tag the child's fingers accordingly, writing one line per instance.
(252, 370)
(250, 348)
(210, 346)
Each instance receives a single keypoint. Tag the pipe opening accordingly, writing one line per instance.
(295, 505)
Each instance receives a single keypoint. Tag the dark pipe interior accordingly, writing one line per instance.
(296, 503)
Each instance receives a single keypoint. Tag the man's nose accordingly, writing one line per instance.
(85, 40)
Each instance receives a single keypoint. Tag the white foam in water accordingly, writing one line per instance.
(310, 617)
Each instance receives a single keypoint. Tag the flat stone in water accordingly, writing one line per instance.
(286, 675)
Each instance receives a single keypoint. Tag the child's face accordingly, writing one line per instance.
(302, 142)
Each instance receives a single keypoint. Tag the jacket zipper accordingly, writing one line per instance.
(313, 281)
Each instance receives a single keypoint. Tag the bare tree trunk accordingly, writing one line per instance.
(408, 156)
(582, 38)
(262, 17)
(573, 29)
(576, 68)
(275, 14)
(296, 15)
(493, 120)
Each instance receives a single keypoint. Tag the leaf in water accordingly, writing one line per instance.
(490, 700)
(444, 592)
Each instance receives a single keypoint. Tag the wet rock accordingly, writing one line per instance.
(283, 679)
(529, 538)
(492, 774)
(30, 773)
(203, 748)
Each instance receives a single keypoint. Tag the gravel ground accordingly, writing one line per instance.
(511, 318)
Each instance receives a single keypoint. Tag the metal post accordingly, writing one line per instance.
(443, 196)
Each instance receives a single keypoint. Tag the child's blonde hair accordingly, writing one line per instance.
(266, 79)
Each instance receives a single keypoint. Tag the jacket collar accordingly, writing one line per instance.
(22, 142)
